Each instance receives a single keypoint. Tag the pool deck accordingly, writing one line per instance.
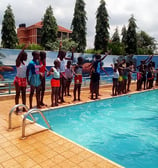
(45, 149)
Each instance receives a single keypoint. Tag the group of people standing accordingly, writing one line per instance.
(34, 74)
(146, 74)
(122, 75)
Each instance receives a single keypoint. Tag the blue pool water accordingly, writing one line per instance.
(122, 129)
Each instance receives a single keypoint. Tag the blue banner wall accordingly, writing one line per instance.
(8, 57)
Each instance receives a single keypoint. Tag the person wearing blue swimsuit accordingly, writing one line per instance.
(33, 78)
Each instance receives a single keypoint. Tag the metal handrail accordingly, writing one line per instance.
(28, 113)
(12, 110)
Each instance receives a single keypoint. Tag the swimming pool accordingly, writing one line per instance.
(123, 129)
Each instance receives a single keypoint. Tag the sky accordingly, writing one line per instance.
(32, 11)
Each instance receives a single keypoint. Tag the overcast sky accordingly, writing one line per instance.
(31, 11)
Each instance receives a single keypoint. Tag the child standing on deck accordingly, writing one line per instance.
(55, 83)
(20, 81)
(62, 58)
(78, 78)
(115, 79)
(139, 80)
(69, 76)
(42, 75)
(96, 68)
(33, 78)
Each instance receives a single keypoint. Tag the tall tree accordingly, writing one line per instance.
(49, 29)
(131, 36)
(145, 43)
(102, 26)
(124, 35)
(116, 37)
(115, 46)
(124, 39)
(9, 36)
(78, 25)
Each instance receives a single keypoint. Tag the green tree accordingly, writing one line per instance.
(124, 35)
(124, 39)
(114, 45)
(67, 45)
(9, 36)
(116, 48)
(131, 36)
(102, 26)
(145, 43)
(49, 29)
(78, 25)
(116, 37)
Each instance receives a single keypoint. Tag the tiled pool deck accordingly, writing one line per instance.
(45, 149)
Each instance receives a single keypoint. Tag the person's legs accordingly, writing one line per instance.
(42, 91)
(56, 96)
(97, 89)
(17, 95)
(32, 88)
(144, 84)
(99, 85)
(113, 86)
(79, 91)
(114, 91)
(116, 87)
(60, 89)
(17, 88)
(92, 88)
(23, 90)
(52, 96)
(68, 87)
(38, 96)
(75, 89)
(129, 83)
(63, 89)
(92, 85)
(150, 83)
(125, 86)
(147, 84)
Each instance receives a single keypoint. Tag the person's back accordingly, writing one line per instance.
(34, 74)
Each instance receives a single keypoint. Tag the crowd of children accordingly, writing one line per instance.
(63, 72)
(35, 75)
(122, 75)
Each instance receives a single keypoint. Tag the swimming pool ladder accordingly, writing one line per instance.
(30, 113)
(12, 110)
(25, 115)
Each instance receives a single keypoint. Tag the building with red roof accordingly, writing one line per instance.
(32, 34)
